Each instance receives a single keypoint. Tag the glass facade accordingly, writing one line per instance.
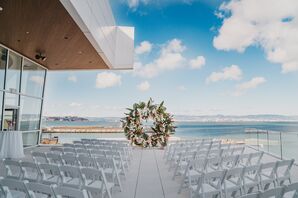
(21, 95)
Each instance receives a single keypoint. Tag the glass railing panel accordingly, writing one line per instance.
(289, 145)
(274, 143)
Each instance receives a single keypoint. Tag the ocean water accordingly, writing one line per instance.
(283, 144)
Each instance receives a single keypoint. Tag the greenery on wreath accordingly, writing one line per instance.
(163, 124)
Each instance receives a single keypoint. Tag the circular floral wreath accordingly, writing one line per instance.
(163, 124)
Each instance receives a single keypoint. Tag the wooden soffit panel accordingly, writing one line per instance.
(33, 26)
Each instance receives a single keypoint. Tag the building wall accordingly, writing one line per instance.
(21, 94)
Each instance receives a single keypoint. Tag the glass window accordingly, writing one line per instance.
(30, 138)
(32, 79)
(11, 100)
(3, 57)
(13, 72)
(1, 105)
(30, 113)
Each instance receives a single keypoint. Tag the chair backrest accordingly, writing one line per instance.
(235, 174)
(15, 185)
(97, 152)
(216, 177)
(61, 191)
(13, 168)
(252, 172)
(69, 150)
(86, 161)
(68, 145)
(56, 149)
(269, 168)
(283, 168)
(39, 157)
(275, 192)
(244, 159)
(54, 158)
(229, 161)
(30, 171)
(50, 169)
(93, 174)
(40, 189)
(69, 159)
(291, 189)
(70, 171)
(255, 158)
(82, 151)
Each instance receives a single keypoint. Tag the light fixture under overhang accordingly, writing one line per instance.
(1, 9)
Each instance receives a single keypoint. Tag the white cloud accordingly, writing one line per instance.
(248, 23)
(107, 79)
(252, 84)
(170, 58)
(75, 104)
(37, 79)
(228, 73)
(72, 78)
(134, 4)
(181, 88)
(144, 47)
(143, 86)
(198, 62)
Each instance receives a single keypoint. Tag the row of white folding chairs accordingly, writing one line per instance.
(205, 147)
(95, 150)
(240, 181)
(185, 143)
(202, 152)
(102, 171)
(126, 150)
(81, 159)
(286, 191)
(12, 188)
(102, 141)
(217, 161)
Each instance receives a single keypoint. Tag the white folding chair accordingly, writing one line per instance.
(243, 160)
(50, 174)
(283, 171)
(13, 169)
(71, 176)
(267, 175)
(30, 171)
(39, 157)
(40, 190)
(213, 164)
(96, 183)
(110, 169)
(274, 192)
(194, 169)
(251, 180)
(209, 185)
(233, 182)
(62, 191)
(291, 191)
(16, 188)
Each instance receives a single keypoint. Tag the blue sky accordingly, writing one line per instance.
(200, 57)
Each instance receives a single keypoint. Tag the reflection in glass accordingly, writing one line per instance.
(32, 79)
(30, 113)
(3, 57)
(30, 139)
(11, 100)
(1, 103)
(13, 72)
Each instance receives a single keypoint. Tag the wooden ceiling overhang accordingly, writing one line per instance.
(30, 27)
